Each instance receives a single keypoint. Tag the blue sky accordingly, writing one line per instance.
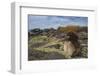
(55, 21)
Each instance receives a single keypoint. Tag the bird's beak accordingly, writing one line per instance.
(62, 39)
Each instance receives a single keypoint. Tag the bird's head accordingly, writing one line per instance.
(71, 36)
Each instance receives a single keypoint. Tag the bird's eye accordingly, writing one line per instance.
(68, 37)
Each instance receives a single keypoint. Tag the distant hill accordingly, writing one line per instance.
(54, 32)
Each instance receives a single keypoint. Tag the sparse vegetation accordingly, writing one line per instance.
(46, 44)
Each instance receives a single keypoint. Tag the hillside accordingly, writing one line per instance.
(46, 44)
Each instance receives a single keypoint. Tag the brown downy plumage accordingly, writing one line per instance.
(71, 45)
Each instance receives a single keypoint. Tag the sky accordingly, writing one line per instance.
(43, 22)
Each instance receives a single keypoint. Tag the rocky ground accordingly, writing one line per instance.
(83, 39)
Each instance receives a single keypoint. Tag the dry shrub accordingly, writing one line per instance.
(69, 28)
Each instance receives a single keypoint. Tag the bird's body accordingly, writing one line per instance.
(71, 45)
